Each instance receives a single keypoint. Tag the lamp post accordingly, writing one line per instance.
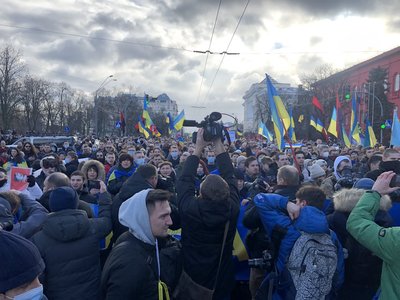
(96, 108)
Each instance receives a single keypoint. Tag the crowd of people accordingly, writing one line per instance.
(130, 218)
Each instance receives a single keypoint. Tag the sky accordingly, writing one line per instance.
(148, 45)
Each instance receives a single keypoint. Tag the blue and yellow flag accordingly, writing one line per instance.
(178, 122)
(319, 125)
(263, 130)
(313, 123)
(333, 125)
(291, 133)
(143, 129)
(170, 123)
(279, 127)
(355, 130)
(346, 139)
(370, 138)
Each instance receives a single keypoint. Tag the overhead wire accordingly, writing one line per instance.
(208, 51)
(225, 52)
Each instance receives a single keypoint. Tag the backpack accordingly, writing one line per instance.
(312, 265)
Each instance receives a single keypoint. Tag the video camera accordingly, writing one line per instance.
(347, 181)
(212, 128)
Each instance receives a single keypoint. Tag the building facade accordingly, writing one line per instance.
(256, 102)
(163, 104)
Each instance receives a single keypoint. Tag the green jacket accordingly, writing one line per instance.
(384, 242)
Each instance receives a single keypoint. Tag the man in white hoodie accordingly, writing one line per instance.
(133, 269)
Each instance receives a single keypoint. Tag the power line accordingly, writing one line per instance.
(227, 48)
(96, 38)
(208, 51)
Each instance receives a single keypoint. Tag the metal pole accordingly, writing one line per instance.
(373, 103)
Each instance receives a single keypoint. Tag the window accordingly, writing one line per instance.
(397, 82)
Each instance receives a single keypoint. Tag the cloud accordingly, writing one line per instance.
(314, 40)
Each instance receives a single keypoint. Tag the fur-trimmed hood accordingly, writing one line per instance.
(346, 199)
(101, 174)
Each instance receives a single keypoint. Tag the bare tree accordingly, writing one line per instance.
(12, 70)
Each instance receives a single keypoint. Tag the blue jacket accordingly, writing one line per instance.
(273, 214)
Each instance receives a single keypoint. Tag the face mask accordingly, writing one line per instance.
(346, 172)
(139, 161)
(174, 154)
(200, 173)
(325, 154)
(210, 160)
(67, 160)
(131, 153)
(3, 182)
(34, 294)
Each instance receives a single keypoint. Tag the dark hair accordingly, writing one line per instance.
(147, 171)
(72, 154)
(299, 152)
(58, 179)
(13, 199)
(266, 160)
(155, 196)
(125, 156)
(374, 159)
(205, 169)
(78, 173)
(313, 195)
(249, 160)
(214, 188)
(289, 174)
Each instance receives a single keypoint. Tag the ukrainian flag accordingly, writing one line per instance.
(320, 125)
(332, 126)
(277, 121)
(178, 122)
(313, 123)
(143, 129)
(346, 139)
(355, 131)
(262, 130)
(291, 133)
(370, 138)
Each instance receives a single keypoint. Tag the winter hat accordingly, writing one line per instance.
(20, 261)
(364, 184)
(321, 162)
(63, 198)
(316, 171)
(238, 175)
(240, 159)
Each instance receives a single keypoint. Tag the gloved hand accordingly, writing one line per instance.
(31, 180)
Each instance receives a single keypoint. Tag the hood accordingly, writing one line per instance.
(67, 225)
(312, 220)
(338, 160)
(5, 211)
(133, 185)
(134, 215)
(346, 199)
(214, 213)
(91, 162)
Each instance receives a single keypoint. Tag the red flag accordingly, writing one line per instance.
(316, 103)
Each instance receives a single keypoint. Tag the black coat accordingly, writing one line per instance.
(130, 271)
(203, 223)
(69, 246)
(71, 167)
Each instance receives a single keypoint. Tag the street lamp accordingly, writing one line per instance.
(106, 81)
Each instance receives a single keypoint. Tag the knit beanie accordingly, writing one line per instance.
(20, 261)
(316, 171)
(63, 198)
(240, 159)
(364, 184)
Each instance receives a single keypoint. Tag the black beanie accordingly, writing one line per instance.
(20, 261)
(63, 198)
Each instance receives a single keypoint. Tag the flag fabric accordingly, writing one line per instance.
(239, 132)
(317, 104)
(143, 129)
(370, 138)
(313, 123)
(276, 120)
(320, 126)
(170, 123)
(338, 116)
(301, 118)
(280, 107)
(263, 130)
(178, 122)
(122, 121)
(346, 139)
(395, 136)
(332, 129)
(291, 132)
(354, 130)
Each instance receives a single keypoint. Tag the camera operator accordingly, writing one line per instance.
(206, 219)
(342, 176)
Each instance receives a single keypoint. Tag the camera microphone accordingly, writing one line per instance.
(190, 123)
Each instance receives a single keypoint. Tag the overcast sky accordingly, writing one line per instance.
(148, 45)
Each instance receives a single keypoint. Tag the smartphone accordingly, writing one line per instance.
(93, 184)
(395, 182)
